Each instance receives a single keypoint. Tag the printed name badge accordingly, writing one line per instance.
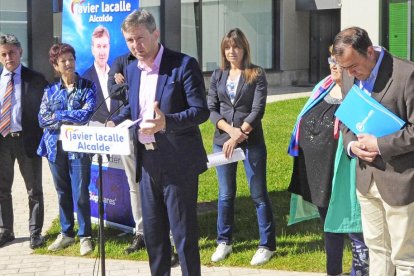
(103, 140)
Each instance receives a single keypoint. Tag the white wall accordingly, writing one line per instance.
(365, 14)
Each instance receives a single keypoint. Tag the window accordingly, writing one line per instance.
(253, 17)
(202, 39)
(191, 29)
(153, 6)
(13, 20)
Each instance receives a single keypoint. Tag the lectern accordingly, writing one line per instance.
(100, 141)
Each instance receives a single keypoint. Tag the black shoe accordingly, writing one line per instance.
(174, 257)
(5, 238)
(137, 244)
(36, 241)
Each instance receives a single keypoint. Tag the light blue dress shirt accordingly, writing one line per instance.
(368, 84)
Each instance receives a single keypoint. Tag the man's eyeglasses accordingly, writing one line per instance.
(332, 61)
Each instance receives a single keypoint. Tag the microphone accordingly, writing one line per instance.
(125, 102)
(119, 91)
(98, 107)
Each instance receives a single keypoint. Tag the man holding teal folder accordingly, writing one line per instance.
(385, 165)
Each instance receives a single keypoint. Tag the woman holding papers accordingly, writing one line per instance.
(320, 163)
(237, 100)
(69, 101)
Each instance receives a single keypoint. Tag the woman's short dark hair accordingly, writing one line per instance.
(57, 50)
(355, 37)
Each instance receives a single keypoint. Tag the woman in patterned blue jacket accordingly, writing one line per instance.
(71, 100)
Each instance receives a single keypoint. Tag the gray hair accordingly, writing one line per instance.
(139, 17)
(10, 39)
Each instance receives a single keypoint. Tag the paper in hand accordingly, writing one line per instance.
(218, 158)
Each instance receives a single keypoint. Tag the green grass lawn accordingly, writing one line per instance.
(299, 247)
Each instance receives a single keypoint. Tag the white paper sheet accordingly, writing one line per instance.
(217, 159)
(128, 123)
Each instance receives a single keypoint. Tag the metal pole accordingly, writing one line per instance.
(409, 30)
(101, 217)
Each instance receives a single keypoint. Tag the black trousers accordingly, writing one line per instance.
(169, 201)
(12, 148)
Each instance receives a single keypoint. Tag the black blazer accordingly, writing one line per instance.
(33, 84)
(102, 114)
(249, 105)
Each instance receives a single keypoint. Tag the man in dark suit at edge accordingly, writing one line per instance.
(385, 167)
(166, 91)
(19, 138)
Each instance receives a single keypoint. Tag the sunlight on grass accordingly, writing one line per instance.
(299, 247)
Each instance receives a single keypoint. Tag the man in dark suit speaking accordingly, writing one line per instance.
(166, 91)
(385, 168)
(21, 91)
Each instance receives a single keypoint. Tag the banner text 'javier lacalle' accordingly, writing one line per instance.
(102, 140)
(101, 11)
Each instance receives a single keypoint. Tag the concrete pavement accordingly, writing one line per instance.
(17, 258)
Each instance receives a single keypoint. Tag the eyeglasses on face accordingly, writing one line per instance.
(332, 61)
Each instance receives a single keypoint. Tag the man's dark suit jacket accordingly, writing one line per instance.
(181, 97)
(249, 105)
(33, 84)
(102, 113)
(393, 170)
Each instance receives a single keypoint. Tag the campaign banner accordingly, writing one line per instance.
(83, 22)
(116, 197)
(81, 17)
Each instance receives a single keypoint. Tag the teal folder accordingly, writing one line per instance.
(363, 114)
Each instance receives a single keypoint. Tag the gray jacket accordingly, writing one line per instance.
(249, 105)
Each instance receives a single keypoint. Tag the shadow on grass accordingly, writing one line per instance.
(295, 244)
(299, 247)
(302, 237)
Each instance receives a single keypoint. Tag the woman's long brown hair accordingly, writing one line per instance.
(236, 38)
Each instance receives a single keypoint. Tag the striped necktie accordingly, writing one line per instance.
(5, 118)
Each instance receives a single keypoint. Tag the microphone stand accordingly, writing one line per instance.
(124, 102)
(100, 199)
(100, 196)
(98, 107)
(101, 217)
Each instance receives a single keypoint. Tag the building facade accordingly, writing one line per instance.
(33, 25)
(288, 38)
